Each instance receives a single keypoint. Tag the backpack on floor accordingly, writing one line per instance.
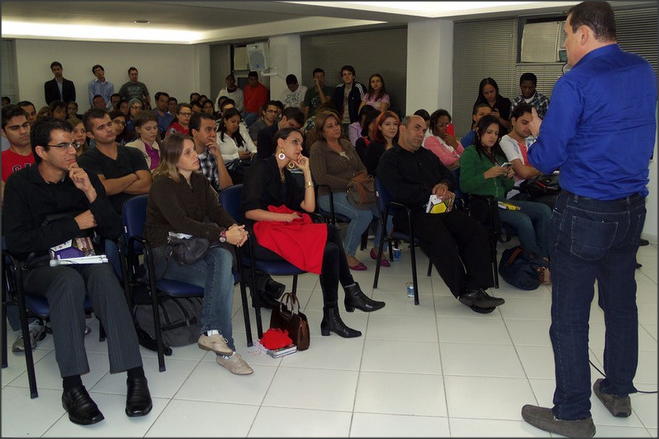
(180, 319)
(521, 268)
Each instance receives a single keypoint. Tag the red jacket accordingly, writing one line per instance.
(300, 242)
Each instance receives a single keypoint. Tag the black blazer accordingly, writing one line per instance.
(51, 91)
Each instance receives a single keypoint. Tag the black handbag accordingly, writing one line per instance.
(187, 251)
(285, 317)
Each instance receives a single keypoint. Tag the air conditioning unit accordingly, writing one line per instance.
(543, 42)
(258, 56)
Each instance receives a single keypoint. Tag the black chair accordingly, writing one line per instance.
(387, 207)
(230, 198)
(134, 217)
(28, 306)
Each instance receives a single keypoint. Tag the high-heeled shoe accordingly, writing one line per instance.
(355, 298)
(332, 323)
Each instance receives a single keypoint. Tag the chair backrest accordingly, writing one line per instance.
(134, 215)
(382, 196)
(230, 199)
(459, 195)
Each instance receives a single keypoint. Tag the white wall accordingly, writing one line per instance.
(175, 69)
(285, 58)
(430, 66)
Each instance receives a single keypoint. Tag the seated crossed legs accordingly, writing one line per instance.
(65, 288)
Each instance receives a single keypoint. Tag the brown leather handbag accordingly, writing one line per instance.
(361, 190)
(286, 317)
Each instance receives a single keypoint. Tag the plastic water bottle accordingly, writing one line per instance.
(396, 252)
(410, 289)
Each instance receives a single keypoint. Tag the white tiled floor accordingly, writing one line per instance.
(437, 369)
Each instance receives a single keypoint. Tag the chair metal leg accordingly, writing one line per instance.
(429, 268)
(243, 298)
(4, 329)
(414, 277)
(377, 264)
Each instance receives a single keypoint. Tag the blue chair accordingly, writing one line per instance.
(230, 198)
(387, 207)
(28, 306)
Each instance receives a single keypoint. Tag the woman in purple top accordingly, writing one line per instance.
(146, 128)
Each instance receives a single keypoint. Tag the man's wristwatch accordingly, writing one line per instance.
(223, 235)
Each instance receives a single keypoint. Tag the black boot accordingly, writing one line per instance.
(355, 298)
(332, 323)
(274, 289)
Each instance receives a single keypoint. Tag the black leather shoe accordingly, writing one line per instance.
(81, 407)
(355, 298)
(643, 242)
(138, 398)
(479, 299)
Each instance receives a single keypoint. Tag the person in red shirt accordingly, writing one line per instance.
(255, 96)
(16, 129)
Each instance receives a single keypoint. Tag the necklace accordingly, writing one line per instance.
(282, 177)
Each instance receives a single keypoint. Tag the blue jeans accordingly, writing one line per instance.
(531, 224)
(213, 274)
(360, 219)
(593, 240)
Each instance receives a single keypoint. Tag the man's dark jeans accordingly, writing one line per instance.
(593, 240)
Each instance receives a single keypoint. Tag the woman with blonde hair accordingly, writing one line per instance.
(182, 200)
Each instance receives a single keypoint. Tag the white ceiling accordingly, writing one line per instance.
(191, 22)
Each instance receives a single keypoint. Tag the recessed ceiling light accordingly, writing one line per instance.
(141, 21)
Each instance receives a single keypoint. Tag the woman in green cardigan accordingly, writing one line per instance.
(481, 173)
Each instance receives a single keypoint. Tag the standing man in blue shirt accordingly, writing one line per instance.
(100, 86)
(605, 103)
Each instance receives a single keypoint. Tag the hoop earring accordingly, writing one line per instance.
(291, 165)
(281, 155)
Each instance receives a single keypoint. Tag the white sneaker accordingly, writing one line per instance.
(234, 364)
(215, 343)
(37, 332)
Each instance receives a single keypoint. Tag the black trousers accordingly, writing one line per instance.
(334, 270)
(457, 245)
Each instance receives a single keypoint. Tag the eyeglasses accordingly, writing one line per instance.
(185, 114)
(64, 145)
(136, 107)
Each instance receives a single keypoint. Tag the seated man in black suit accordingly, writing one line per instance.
(46, 205)
(457, 245)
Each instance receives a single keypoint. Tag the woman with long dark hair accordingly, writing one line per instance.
(237, 151)
(482, 173)
(488, 92)
(271, 194)
(377, 96)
